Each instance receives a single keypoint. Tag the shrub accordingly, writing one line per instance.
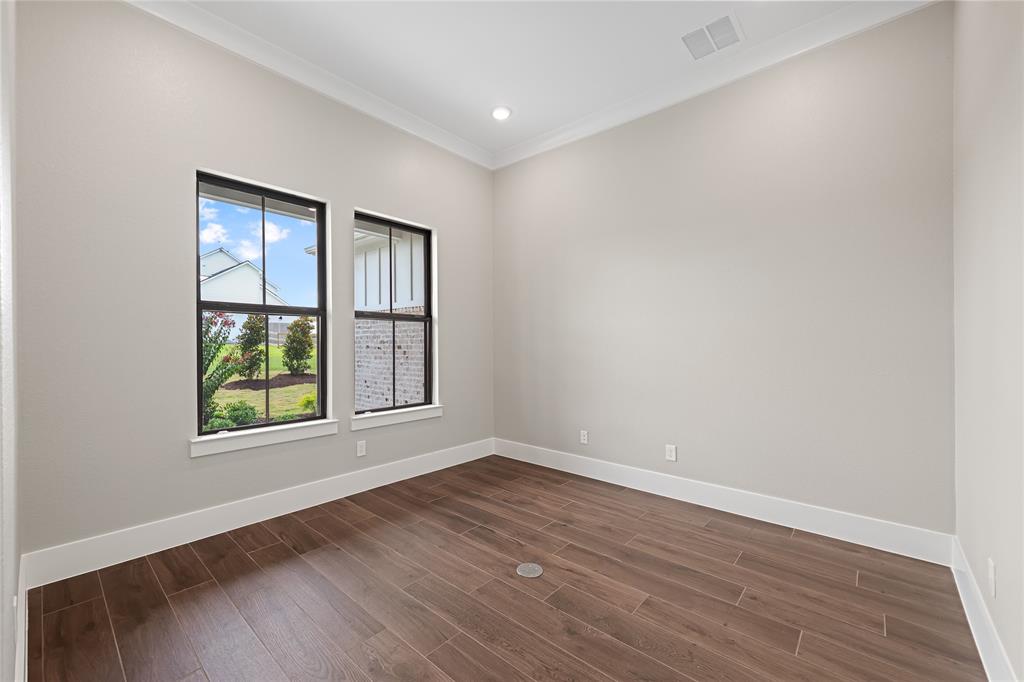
(241, 413)
(287, 417)
(219, 423)
(251, 346)
(298, 345)
(308, 402)
(216, 329)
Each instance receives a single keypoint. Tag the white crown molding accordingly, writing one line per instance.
(717, 70)
(998, 667)
(919, 543)
(212, 28)
(720, 69)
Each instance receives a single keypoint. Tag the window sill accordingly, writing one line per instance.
(213, 444)
(371, 420)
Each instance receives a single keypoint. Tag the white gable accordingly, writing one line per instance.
(239, 284)
(214, 261)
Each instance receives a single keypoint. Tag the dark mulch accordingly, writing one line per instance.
(279, 381)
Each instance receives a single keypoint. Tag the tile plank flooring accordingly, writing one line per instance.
(416, 581)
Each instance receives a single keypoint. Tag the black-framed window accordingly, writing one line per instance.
(261, 306)
(393, 316)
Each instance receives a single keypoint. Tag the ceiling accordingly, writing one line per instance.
(566, 69)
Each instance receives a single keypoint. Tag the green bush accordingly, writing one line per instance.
(250, 346)
(219, 423)
(216, 329)
(288, 417)
(298, 345)
(241, 413)
(308, 402)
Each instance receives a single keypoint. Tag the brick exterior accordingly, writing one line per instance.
(373, 363)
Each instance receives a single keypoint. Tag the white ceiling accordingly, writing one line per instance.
(566, 69)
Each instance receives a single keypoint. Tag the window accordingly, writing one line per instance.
(261, 306)
(392, 315)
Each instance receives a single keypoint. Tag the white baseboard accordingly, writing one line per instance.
(63, 561)
(911, 541)
(993, 655)
(89, 554)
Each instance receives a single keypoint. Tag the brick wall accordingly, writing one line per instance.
(373, 363)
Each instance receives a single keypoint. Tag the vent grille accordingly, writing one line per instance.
(718, 35)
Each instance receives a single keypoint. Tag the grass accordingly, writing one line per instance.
(276, 360)
(283, 400)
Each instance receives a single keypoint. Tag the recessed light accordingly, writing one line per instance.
(501, 113)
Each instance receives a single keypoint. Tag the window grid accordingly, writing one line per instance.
(426, 318)
(319, 312)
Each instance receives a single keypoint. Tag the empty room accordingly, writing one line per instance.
(509, 341)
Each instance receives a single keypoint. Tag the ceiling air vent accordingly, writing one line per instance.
(718, 35)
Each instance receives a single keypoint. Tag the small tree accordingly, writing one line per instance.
(250, 346)
(298, 345)
(216, 330)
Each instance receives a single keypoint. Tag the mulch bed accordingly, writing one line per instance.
(279, 381)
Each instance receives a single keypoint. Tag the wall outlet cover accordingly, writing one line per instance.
(670, 453)
(361, 448)
(584, 437)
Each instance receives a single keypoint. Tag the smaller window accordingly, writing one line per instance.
(393, 323)
(261, 306)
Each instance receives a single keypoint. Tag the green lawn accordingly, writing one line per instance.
(276, 360)
(283, 400)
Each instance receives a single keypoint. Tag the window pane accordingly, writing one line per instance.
(230, 245)
(294, 367)
(410, 359)
(291, 238)
(374, 376)
(372, 267)
(409, 285)
(234, 375)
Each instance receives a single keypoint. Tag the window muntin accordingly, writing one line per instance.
(260, 329)
(392, 310)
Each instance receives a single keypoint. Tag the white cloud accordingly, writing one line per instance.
(275, 233)
(242, 209)
(249, 251)
(206, 211)
(213, 233)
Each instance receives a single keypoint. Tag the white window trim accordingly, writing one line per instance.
(370, 420)
(228, 441)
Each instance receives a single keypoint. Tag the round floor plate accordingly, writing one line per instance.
(529, 570)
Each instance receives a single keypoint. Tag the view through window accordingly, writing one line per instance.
(392, 314)
(261, 306)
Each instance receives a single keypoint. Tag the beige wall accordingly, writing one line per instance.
(761, 275)
(989, 218)
(115, 112)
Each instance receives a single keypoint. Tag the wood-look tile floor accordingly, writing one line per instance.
(417, 581)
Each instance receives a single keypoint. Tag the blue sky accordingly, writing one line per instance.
(236, 229)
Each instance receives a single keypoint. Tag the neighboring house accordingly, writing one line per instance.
(223, 277)
(375, 276)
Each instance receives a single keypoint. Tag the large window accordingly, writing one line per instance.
(392, 315)
(261, 306)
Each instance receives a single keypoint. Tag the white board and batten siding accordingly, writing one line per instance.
(379, 270)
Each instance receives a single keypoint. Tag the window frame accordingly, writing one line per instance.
(319, 312)
(427, 318)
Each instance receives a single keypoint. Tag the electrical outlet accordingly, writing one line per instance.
(991, 578)
(361, 448)
(584, 437)
(670, 453)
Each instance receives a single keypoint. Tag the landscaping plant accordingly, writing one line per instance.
(298, 345)
(216, 330)
(241, 413)
(251, 346)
